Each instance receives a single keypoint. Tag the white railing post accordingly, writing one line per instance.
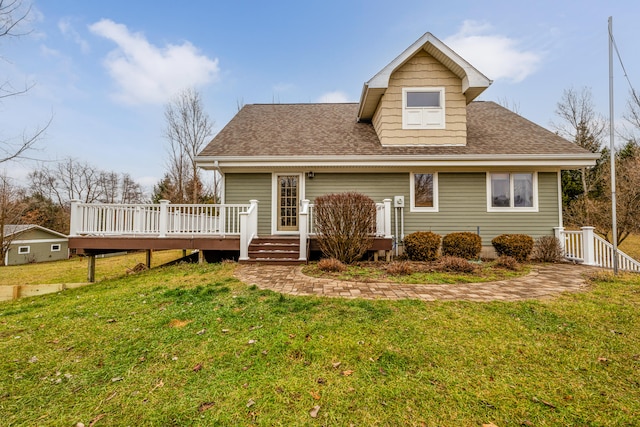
(588, 246)
(248, 228)
(76, 218)
(559, 233)
(222, 220)
(302, 227)
(164, 218)
(387, 218)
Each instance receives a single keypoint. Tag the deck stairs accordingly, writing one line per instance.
(278, 250)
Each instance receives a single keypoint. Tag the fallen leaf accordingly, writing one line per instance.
(224, 331)
(80, 424)
(527, 423)
(250, 403)
(33, 359)
(205, 405)
(336, 365)
(111, 320)
(489, 425)
(264, 352)
(315, 395)
(96, 419)
(314, 411)
(550, 405)
(602, 359)
(201, 331)
(307, 337)
(116, 379)
(197, 368)
(251, 342)
(321, 380)
(347, 372)
(111, 396)
(292, 335)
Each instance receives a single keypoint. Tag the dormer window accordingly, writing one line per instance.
(423, 108)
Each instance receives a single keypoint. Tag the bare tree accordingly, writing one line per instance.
(12, 14)
(188, 129)
(73, 179)
(10, 213)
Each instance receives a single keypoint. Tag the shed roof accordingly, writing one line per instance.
(13, 229)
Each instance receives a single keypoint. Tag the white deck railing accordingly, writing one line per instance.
(382, 225)
(158, 220)
(586, 247)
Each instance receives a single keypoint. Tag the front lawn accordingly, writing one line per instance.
(191, 345)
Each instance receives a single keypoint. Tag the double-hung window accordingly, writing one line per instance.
(423, 108)
(424, 192)
(515, 192)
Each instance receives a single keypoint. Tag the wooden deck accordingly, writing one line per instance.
(95, 245)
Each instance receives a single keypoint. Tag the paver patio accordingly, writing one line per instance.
(544, 281)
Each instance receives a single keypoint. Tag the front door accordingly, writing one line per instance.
(288, 194)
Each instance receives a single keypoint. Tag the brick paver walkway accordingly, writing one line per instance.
(543, 282)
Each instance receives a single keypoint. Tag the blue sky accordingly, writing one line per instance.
(105, 70)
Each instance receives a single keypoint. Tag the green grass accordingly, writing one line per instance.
(631, 246)
(152, 348)
(74, 270)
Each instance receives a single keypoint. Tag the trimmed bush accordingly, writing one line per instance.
(455, 264)
(422, 246)
(548, 249)
(507, 262)
(518, 246)
(462, 245)
(344, 223)
(332, 265)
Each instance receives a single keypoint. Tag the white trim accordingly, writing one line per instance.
(274, 200)
(533, 208)
(424, 112)
(56, 250)
(20, 250)
(32, 241)
(560, 219)
(412, 196)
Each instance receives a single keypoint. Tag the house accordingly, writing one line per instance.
(417, 142)
(33, 243)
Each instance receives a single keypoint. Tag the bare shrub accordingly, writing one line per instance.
(400, 268)
(455, 264)
(507, 262)
(331, 265)
(422, 246)
(343, 224)
(548, 249)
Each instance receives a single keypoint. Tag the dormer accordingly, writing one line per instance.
(420, 97)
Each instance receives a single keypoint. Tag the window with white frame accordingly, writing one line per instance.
(424, 192)
(23, 250)
(516, 192)
(55, 247)
(423, 108)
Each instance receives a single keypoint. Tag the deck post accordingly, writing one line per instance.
(559, 233)
(164, 218)
(387, 218)
(148, 258)
(588, 246)
(303, 229)
(201, 257)
(91, 270)
(76, 218)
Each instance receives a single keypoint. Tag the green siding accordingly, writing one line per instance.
(242, 187)
(462, 202)
(38, 252)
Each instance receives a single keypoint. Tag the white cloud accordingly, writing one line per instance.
(146, 73)
(496, 56)
(333, 97)
(67, 30)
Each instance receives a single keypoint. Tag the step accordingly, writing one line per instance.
(274, 254)
(274, 261)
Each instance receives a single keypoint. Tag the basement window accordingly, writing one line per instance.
(423, 108)
(55, 247)
(23, 250)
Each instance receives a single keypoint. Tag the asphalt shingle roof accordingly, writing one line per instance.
(331, 130)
